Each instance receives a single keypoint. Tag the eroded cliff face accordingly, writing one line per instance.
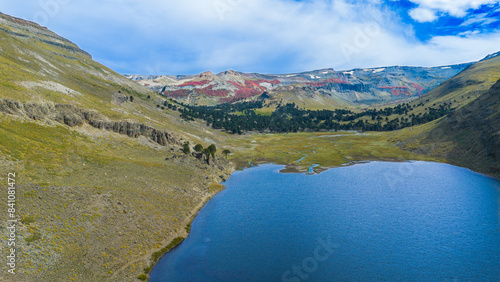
(73, 116)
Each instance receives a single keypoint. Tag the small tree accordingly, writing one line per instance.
(186, 148)
(131, 98)
(198, 148)
(206, 152)
(226, 152)
(212, 150)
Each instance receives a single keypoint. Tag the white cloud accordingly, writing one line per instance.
(456, 8)
(423, 15)
(481, 19)
(269, 36)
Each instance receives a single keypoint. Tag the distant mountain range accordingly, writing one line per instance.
(100, 159)
(310, 89)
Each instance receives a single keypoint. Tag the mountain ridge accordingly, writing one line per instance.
(363, 86)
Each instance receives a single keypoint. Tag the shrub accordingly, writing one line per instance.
(33, 238)
(142, 277)
(186, 148)
(27, 220)
(198, 148)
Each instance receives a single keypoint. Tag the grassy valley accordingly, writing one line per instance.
(105, 181)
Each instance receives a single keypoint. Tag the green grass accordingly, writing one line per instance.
(325, 148)
(72, 180)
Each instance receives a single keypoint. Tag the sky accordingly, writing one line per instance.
(269, 36)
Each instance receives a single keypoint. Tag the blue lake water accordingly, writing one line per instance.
(411, 221)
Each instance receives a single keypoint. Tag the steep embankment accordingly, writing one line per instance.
(101, 179)
(469, 136)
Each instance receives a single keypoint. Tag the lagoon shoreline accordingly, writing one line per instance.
(288, 168)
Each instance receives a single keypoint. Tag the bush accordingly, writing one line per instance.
(158, 254)
(198, 148)
(186, 148)
(142, 277)
(33, 238)
(27, 220)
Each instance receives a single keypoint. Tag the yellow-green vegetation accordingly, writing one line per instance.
(157, 255)
(102, 200)
(328, 149)
(467, 85)
(95, 205)
(32, 238)
(32, 70)
(470, 136)
(27, 220)
(92, 204)
(308, 99)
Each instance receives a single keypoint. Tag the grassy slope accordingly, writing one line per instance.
(308, 100)
(99, 201)
(469, 137)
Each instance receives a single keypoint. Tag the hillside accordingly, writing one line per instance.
(470, 135)
(101, 180)
(317, 89)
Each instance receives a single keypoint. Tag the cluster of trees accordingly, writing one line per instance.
(168, 105)
(207, 152)
(290, 118)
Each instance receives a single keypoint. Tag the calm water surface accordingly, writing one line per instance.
(413, 221)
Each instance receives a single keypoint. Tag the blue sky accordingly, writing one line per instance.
(269, 36)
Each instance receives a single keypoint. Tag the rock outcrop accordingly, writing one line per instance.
(73, 116)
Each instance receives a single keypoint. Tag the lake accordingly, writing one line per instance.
(407, 221)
